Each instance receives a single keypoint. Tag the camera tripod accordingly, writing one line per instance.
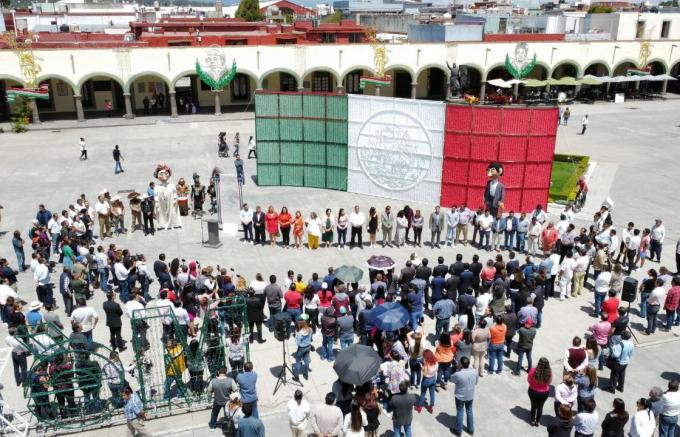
(282, 378)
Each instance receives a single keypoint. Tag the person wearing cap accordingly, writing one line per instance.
(525, 344)
(103, 209)
(222, 387)
(345, 328)
(33, 317)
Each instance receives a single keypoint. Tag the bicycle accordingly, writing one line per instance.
(579, 201)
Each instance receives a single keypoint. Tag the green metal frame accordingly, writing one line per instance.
(202, 355)
(65, 389)
(75, 397)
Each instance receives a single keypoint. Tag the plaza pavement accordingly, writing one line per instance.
(635, 150)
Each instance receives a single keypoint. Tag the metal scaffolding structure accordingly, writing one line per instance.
(75, 384)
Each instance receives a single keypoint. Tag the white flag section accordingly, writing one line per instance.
(395, 148)
(228, 205)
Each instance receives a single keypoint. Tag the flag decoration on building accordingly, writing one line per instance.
(386, 80)
(42, 92)
(404, 149)
(638, 71)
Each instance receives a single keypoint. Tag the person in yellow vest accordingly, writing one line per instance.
(175, 365)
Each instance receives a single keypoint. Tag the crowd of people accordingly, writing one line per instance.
(483, 311)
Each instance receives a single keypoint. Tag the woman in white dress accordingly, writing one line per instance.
(400, 234)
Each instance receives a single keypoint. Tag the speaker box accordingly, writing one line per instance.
(281, 323)
(630, 286)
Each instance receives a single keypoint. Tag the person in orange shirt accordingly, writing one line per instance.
(285, 221)
(271, 220)
(549, 238)
(298, 229)
(445, 359)
(497, 344)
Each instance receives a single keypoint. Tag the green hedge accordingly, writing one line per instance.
(566, 171)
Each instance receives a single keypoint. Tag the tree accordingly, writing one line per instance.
(335, 17)
(4, 4)
(600, 10)
(249, 10)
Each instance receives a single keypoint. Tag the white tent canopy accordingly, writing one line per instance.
(500, 83)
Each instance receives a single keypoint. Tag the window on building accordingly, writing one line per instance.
(640, 31)
(284, 41)
(328, 37)
(352, 83)
(240, 87)
(665, 29)
(235, 42)
(354, 37)
(321, 82)
(503, 25)
(288, 82)
(178, 43)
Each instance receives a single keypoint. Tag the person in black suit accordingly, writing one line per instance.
(440, 269)
(457, 267)
(424, 272)
(113, 321)
(255, 309)
(159, 265)
(258, 225)
(407, 273)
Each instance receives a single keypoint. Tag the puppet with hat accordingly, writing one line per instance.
(494, 193)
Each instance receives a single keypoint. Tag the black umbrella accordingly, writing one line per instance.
(357, 364)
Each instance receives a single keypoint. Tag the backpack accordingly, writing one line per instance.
(228, 425)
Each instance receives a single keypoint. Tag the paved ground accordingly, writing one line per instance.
(635, 150)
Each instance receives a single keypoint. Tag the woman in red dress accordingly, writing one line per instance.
(271, 220)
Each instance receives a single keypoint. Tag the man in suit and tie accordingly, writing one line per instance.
(113, 313)
(436, 224)
(258, 225)
(387, 220)
(494, 193)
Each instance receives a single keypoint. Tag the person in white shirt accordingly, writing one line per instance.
(561, 225)
(103, 209)
(121, 273)
(182, 317)
(164, 307)
(356, 221)
(246, 216)
(643, 423)
(464, 217)
(584, 124)
(566, 275)
(533, 236)
(669, 411)
(347, 426)
(54, 228)
(654, 301)
(657, 236)
(632, 248)
(87, 317)
(568, 212)
(485, 221)
(625, 238)
(539, 214)
(601, 290)
(313, 231)
(135, 308)
(452, 220)
(83, 149)
(258, 285)
(580, 272)
(299, 414)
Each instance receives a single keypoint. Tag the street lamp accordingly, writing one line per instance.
(614, 54)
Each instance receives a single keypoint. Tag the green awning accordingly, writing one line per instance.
(551, 81)
(590, 81)
(568, 80)
(534, 83)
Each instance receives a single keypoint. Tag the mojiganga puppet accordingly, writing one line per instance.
(494, 193)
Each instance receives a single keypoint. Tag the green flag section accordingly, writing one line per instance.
(301, 140)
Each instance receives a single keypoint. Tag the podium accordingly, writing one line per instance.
(213, 233)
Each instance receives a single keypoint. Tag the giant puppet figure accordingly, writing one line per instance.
(494, 193)
(165, 194)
